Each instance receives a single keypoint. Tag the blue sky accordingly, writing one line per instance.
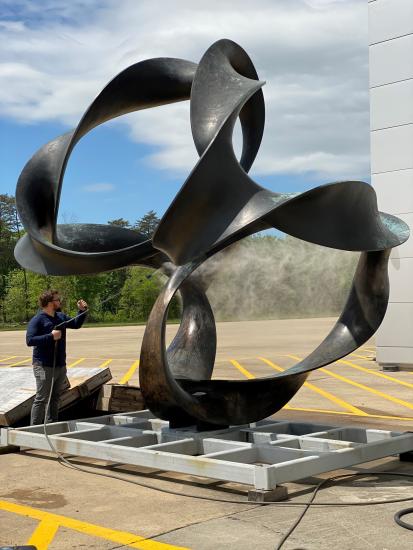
(55, 56)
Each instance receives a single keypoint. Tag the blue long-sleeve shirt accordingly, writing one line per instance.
(39, 335)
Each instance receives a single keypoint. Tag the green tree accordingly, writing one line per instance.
(10, 232)
(87, 287)
(138, 294)
(14, 309)
(113, 282)
(147, 224)
(120, 222)
(18, 307)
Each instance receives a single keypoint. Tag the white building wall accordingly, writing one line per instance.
(391, 121)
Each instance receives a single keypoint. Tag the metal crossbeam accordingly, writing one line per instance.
(263, 455)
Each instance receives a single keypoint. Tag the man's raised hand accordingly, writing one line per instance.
(82, 305)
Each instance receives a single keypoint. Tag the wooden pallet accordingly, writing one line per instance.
(117, 398)
(18, 388)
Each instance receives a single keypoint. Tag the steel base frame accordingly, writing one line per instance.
(263, 454)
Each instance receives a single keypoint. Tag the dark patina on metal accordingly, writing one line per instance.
(218, 205)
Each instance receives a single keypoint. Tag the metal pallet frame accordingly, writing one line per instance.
(263, 454)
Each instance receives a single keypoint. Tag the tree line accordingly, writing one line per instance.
(124, 295)
(264, 276)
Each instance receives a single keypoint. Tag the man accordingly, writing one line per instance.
(46, 331)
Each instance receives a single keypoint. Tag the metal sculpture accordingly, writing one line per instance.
(218, 205)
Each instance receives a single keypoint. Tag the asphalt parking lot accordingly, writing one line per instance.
(54, 507)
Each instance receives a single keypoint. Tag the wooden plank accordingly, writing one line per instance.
(103, 403)
(18, 388)
(123, 392)
(120, 398)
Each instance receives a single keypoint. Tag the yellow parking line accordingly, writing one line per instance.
(44, 534)
(386, 417)
(245, 372)
(118, 537)
(76, 362)
(324, 393)
(271, 364)
(247, 358)
(130, 372)
(105, 363)
(367, 388)
(8, 358)
(20, 362)
(362, 386)
(374, 373)
(248, 374)
(324, 411)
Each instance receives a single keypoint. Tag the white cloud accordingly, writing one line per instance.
(98, 187)
(57, 55)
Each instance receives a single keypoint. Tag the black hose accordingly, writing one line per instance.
(402, 513)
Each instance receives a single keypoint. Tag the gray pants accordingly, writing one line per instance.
(43, 377)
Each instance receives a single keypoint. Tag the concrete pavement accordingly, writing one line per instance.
(59, 508)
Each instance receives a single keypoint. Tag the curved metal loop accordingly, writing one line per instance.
(227, 204)
(227, 402)
(225, 77)
(191, 354)
(146, 84)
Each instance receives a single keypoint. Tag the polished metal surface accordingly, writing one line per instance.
(217, 205)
